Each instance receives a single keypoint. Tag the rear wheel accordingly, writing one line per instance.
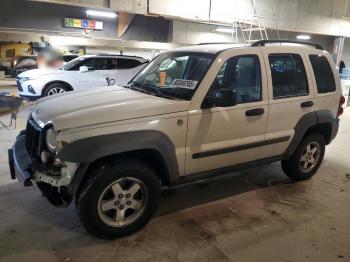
(55, 89)
(119, 199)
(306, 159)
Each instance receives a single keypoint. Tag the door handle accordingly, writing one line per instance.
(255, 112)
(307, 104)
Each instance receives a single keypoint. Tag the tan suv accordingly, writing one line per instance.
(193, 112)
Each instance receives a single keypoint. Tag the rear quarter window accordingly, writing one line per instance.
(323, 74)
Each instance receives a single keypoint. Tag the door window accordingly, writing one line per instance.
(96, 63)
(323, 74)
(124, 63)
(242, 74)
(111, 63)
(288, 76)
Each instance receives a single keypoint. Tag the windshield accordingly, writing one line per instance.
(73, 63)
(173, 75)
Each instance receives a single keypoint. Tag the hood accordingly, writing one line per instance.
(102, 105)
(33, 73)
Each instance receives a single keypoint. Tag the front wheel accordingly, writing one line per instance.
(119, 199)
(55, 89)
(306, 159)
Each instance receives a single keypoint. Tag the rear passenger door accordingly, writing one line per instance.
(126, 69)
(290, 96)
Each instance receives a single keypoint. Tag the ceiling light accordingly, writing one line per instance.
(303, 37)
(101, 13)
(225, 30)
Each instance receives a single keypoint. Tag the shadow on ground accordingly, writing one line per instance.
(18, 205)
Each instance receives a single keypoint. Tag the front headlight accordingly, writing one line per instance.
(51, 140)
(24, 79)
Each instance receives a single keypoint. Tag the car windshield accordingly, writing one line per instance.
(73, 63)
(173, 74)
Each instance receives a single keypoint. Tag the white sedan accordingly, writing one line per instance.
(84, 72)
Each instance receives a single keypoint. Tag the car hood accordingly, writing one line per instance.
(101, 105)
(40, 72)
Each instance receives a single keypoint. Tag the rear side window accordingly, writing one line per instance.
(288, 76)
(111, 63)
(124, 63)
(323, 74)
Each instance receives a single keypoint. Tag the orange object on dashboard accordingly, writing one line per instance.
(162, 76)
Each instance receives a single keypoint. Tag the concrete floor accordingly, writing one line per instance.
(255, 215)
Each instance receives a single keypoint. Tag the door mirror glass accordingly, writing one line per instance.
(224, 97)
(83, 69)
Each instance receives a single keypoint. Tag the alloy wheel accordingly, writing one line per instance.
(122, 202)
(310, 157)
(55, 91)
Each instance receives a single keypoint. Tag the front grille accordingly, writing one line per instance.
(33, 139)
(19, 85)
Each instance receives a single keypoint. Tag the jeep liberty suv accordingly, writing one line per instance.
(193, 112)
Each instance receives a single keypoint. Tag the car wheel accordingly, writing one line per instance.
(306, 159)
(55, 89)
(118, 199)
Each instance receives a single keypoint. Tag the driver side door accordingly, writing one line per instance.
(219, 137)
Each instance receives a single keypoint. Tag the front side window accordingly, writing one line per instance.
(243, 75)
(74, 64)
(174, 74)
(288, 76)
(96, 63)
(323, 74)
(93, 63)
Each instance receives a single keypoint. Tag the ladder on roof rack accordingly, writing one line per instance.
(264, 42)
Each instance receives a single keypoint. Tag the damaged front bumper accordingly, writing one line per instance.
(59, 189)
(20, 162)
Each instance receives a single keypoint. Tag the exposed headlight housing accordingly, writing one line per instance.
(51, 139)
(24, 79)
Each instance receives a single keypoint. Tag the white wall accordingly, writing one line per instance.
(314, 16)
(195, 33)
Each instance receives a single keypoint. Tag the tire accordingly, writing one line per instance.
(101, 191)
(299, 166)
(56, 88)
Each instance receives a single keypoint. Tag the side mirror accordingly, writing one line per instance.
(224, 97)
(83, 69)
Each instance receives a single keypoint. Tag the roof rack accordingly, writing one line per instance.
(263, 42)
(106, 54)
(218, 43)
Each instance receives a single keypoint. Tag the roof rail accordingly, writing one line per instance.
(217, 43)
(263, 42)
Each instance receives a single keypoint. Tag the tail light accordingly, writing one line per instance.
(340, 107)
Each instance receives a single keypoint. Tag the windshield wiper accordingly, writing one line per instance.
(154, 88)
(131, 86)
(150, 90)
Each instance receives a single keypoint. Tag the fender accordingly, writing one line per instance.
(308, 120)
(327, 116)
(88, 150)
